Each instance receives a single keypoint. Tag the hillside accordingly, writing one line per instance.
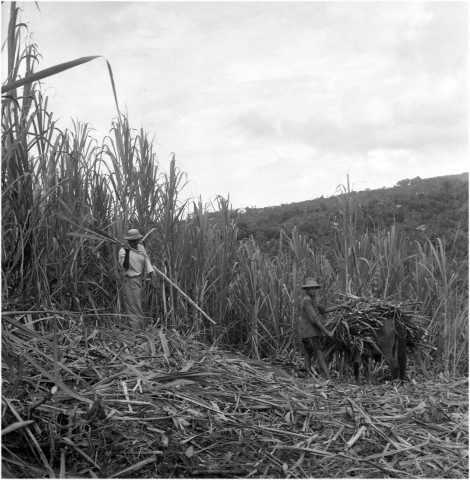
(433, 208)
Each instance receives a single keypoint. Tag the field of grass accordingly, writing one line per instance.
(223, 311)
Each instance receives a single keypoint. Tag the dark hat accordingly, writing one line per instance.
(311, 283)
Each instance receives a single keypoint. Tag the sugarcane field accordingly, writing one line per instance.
(150, 335)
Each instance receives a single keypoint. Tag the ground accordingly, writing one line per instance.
(158, 405)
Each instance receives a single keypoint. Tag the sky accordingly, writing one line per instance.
(269, 103)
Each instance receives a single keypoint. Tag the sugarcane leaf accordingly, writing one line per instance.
(47, 72)
(16, 426)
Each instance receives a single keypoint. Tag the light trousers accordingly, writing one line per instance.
(132, 300)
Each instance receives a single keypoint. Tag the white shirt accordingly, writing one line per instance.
(138, 261)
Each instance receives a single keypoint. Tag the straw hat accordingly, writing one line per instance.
(311, 283)
(133, 234)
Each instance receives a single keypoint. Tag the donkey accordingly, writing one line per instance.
(391, 342)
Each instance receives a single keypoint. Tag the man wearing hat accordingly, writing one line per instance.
(311, 326)
(136, 265)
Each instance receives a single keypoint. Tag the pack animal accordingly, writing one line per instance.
(391, 341)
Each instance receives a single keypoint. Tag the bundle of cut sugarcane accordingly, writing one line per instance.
(355, 329)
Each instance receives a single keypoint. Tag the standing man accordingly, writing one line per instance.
(311, 326)
(136, 265)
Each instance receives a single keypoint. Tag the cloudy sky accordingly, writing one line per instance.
(270, 102)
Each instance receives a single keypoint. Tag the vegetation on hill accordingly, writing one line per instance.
(420, 208)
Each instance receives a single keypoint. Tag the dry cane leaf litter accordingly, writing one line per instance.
(160, 405)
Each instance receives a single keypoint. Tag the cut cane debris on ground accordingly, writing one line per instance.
(158, 405)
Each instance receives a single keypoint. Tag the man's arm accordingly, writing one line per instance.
(124, 257)
(334, 307)
(125, 263)
(149, 267)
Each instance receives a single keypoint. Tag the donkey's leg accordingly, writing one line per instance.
(386, 338)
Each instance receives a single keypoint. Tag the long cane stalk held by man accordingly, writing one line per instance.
(94, 233)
